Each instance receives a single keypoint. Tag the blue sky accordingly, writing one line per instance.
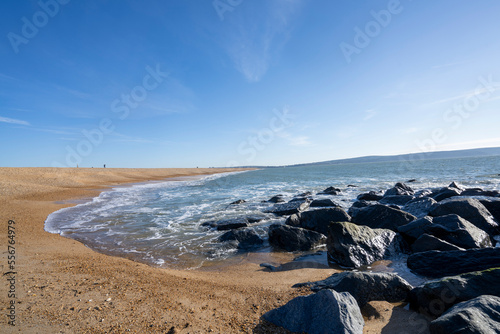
(244, 82)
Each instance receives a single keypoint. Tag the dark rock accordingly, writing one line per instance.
(420, 207)
(370, 196)
(293, 239)
(300, 199)
(396, 199)
(318, 220)
(351, 245)
(480, 315)
(428, 242)
(458, 231)
(325, 312)
(289, 208)
(228, 224)
(323, 203)
(469, 209)
(351, 186)
(445, 193)
(330, 191)
(305, 194)
(358, 205)
(399, 189)
(240, 201)
(440, 264)
(481, 192)
(365, 286)
(435, 297)
(382, 216)
(411, 181)
(242, 238)
(492, 204)
(415, 229)
(255, 218)
(456, 186)
(277, 199)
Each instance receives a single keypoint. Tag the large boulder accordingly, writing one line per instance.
(480, 192)
(440, 264)
(365, 286)
(480, 315)
(370, 196)
(492, 204)
(277, 199)
(382, 216)
(469, 209)
(396, 199)
(413, 230)
(242, 238)
(458, 231)
(227, 224)
(420, 207)
(445, 193)
(323, 203)
(330, 191)
(325, 312)
(293, 239)
(289, 208)
(435, 297)
(352, 245)
(399, 189)
(318, 220)
(428, 242)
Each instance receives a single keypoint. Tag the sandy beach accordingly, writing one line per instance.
(62, 286)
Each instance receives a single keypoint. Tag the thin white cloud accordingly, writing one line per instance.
(297, 141)
(13, 121)
(369, 114)
(450, 64)
(255, 35)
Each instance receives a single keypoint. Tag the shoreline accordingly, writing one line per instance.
(64, 286)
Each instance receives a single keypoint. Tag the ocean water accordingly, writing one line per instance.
(159, 223)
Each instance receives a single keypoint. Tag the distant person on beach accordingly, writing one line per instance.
(104, 165)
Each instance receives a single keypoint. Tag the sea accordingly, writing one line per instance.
(160, 223)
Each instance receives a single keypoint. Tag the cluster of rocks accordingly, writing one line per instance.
(447, 233)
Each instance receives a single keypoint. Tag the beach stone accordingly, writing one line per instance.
(469, 209)
(325, 312)
(428, 242)
(242, 238)
(240, 201)
(445, 193)
(458, 231)
(358, 205)
(228, 224)
(370, 196)
(318, 220)
(492, 204)
(293, 239)
(352, 245)
(365, 286)
(289, 208)
(317, 203)
(399, 189)
(480, 315)
(396, 199)
(419, 207)
(435, 297)
(381, 216)
(330, 191)
(480, 192)
(277, 199)
(413, 230)
(449, 263)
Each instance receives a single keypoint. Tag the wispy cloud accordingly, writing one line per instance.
(13, 121)
(297, 141)
(369, 114)
(255, 35)
(450, 64)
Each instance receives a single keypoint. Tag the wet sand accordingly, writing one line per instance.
(62, 286)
